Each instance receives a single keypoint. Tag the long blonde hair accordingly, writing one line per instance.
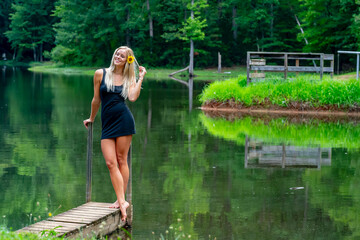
(129, 76)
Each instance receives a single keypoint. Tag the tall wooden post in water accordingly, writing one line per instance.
(129, 188)
(89, 161)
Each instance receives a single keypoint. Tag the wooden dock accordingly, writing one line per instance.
(87, 220)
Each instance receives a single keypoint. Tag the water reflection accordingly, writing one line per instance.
(190, 85)
(259, 154)
(189, 169)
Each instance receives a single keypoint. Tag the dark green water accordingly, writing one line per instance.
(193, 174)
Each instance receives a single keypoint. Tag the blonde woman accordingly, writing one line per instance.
(112, 86)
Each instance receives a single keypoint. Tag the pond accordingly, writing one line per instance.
(194, 174)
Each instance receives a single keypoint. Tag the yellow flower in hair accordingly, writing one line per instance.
(130, 59)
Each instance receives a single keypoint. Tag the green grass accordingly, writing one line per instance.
(44, 235)
(11, 63)
(8, 235)
(279, 92)
(281, 130)
(54, 68)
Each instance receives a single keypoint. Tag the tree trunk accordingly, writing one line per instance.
(151, 30)
(151, 27)
(234, 25)
(34, 52)
(272, 20)
(127, 29)
(219, 10)
(41, 52)
(301, 29)
(191, 64)
(14, 54)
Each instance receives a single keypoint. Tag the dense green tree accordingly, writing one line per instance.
(5, 6)
(31, 26)
(87, 34)
(329, 25)
(192, 29)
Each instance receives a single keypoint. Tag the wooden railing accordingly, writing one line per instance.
(257, 61)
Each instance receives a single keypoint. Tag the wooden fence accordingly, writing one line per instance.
(257, 61)
(260, 155)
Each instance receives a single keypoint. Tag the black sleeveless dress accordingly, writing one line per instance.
(116, 117)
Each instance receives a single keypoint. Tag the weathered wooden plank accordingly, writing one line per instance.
(56, 218)
(329, 57)
(257, 62)
(257, 75)
(291, 69)
(60, 227)
(90, 208)
(268, 68)
(97, 204)
(85, 212)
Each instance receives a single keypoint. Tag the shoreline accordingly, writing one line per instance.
(161, 73)
(232, 111)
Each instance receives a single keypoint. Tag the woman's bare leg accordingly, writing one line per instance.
(122, 150)
(108, 147)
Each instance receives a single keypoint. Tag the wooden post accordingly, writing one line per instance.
(129, 188)
(89, 161)
(246, 150)
(357, 66)
(319, 158)
(332, 67)
(248, 68)
(285, 65)
(338, 63)
(297, 64)
(191, 92)
(321, 66)
(219, 62)
(283, 162)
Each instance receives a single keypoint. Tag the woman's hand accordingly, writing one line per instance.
(142, 72)
(86, 122)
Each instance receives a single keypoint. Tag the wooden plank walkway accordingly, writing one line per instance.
(89, 219)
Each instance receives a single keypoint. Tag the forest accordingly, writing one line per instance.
(85, 33)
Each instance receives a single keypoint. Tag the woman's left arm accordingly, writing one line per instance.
(134, 90)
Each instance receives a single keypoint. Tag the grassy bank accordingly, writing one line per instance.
(302, 93)
(11, 63)
(153, 73)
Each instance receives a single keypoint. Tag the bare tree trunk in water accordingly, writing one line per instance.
(191, 65)
(234, 25)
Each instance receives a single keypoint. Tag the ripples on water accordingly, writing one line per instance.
(194, 174)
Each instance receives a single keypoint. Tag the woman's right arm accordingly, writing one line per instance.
(95, 103)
